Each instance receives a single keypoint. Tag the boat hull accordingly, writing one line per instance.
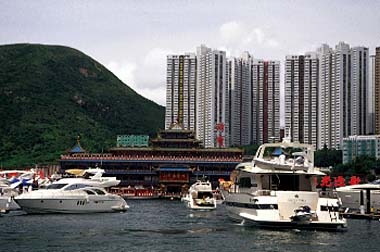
(313, 225)
(276, 211)
(73, 205)
(201, 208)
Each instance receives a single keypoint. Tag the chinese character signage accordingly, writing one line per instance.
(339, 181)
(176, 177)
(220, 138)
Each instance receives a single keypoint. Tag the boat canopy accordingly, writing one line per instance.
(76, 172)
(360, 187)
(277, 152)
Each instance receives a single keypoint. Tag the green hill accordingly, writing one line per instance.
(51, 94)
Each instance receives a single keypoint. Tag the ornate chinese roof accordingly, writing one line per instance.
(77, 148)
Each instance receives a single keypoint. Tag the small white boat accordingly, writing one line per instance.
(70, 198)
(200, 196)
(303, 214)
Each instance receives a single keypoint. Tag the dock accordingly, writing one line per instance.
(365, 216)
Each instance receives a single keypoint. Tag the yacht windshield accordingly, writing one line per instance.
(203, 195)
(89, 192)
(56, 186)
(98, 191)
(75, 186)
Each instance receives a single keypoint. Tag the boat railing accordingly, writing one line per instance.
(237, 189)
(253, 191)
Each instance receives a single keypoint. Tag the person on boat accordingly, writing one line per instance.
(203, 199)
(35, 184)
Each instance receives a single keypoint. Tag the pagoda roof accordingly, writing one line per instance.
(176, 128)
(77, 148)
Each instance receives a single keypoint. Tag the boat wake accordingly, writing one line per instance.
(177, 231)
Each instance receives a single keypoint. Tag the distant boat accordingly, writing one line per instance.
(200, 196)
(13, 182)
(6, 196)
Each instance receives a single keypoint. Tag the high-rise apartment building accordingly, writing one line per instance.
(265, 101)
(371, 97)
(377, 90)
(325, 100)
(359, 86)
(341, 94)
(180, 91)
(212, 98)
(343, 84)
(301, 97)
(240, 97)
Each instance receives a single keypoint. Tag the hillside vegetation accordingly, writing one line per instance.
(51, 94)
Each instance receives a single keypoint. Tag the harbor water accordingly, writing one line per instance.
(163, 225)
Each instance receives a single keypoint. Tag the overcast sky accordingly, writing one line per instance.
(132, 38)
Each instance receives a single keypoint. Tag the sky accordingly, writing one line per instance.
(133, 38)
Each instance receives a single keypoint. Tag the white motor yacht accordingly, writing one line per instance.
(200, 196)
(61, 197)
(277, 190)
(350, 195)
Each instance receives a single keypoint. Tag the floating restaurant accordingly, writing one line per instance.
(172, 161)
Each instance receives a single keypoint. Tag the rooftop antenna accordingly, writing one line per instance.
(287, 138)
